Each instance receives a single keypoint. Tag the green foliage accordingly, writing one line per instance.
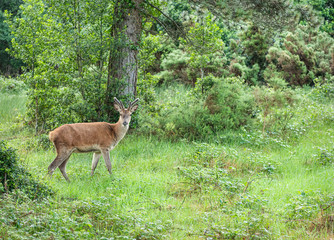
(202, 179)
(176, 13)
(66, 79)
(185, 119)
(230, 101)
(151, 47)
(34, 45)
(175, 60)
(305, 54)
(11, 112)
(205, 170)
(205, 45)
(174, 65)
(212, 169)
(238, 184)
(306, 205)
(206, 155)
(255, 44)
(11, 85)
(251, 74)
(324, 156)
(200, 53)
(247, 219)
(324, 90)
(326, 9)
(163, 118)
(238, 67)
(61, 219)
(228, 106)
(254, 132)
(13, 176)
(203, 86)
(8, 65)
(271, 101)
(273, 140)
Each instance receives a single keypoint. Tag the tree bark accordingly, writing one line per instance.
(125, 32)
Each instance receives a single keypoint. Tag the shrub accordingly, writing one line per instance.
(230, 102)
(13, 176)
(315, 206)
(11, 85)
(174, 65)
(272, 104)
(189, 121)
(324, 90)
(228, 106)
(303, 56)
(324, 156)
(203, 85)
(77, 219)
(246, 219)
(255, 44)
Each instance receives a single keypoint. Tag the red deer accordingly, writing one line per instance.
(97, 137)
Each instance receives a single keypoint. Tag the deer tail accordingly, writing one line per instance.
(51, 136)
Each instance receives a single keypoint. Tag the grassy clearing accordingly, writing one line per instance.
(177, 190)
(12, 106)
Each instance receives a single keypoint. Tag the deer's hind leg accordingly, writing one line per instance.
(62, 168)
(60, 161)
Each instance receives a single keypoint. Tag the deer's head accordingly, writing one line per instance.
(125, 113)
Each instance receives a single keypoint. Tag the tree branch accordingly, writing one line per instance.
(179, 29)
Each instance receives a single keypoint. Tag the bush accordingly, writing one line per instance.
(77, 219)
(255, 44)
(228, 106)
(11, 85)
(324, 90)
(13, 176)
(303, 56)
(231, 103)
(274, 105)
(246, 219)
(174, 65)
(313, 207)
(324, 156)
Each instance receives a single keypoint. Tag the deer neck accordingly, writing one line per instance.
(120, 130)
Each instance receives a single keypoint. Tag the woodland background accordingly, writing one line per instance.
(233, 138)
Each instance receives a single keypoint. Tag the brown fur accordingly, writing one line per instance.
(97, 137)
(83, 135)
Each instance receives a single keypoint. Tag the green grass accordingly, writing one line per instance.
(149, 197)
(12, 106)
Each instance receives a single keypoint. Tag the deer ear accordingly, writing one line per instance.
(116, 106)
(133, 108)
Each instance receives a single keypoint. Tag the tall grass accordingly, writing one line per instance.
(11, 105)
(162, 189)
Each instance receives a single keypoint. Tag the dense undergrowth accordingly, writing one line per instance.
(233, 137)
(13, 176)
(237, 184)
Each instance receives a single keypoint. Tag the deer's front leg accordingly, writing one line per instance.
(106, 157)
(96, 158)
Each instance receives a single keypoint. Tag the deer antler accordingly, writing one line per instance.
(133, 103)
(119, 103)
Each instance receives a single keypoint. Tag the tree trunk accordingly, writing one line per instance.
(122, 66)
